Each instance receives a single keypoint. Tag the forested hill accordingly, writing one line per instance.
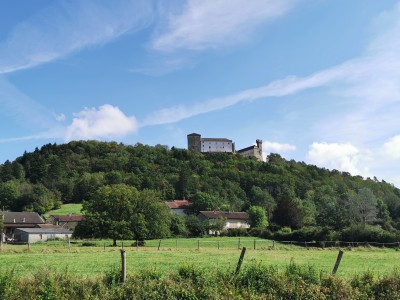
(71, 172)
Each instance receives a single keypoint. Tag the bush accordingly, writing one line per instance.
(89, 244)
(368, 233)
(237, 232)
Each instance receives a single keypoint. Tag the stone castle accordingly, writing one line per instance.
(199, 144)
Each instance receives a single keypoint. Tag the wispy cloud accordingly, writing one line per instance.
(369, 84)
(211, 23)
(64, 28)
(106, 122)
(25, 111)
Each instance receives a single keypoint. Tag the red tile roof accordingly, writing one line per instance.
(176, 204)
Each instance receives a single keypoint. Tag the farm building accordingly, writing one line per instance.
(179, 207)
(33, 235)
(65, 221)
(13, 220)
(231, 219)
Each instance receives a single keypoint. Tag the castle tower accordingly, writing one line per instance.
(259, 148)
(194, 142)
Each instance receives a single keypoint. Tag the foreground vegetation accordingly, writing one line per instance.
(255, 281)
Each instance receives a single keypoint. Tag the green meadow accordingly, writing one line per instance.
(95, 258)
(65, 209)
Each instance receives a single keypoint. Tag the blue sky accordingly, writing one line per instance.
(317, 80)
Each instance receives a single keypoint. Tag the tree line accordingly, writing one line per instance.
(293, 195)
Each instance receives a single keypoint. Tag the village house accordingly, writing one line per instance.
(14, 220)
(231, 219)
(179, 207)
(65, 221)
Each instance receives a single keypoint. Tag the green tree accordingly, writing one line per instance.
(196, 227)
(383, 214)
(178, 226)
(10, 195)
(122, 212)
(204, 201)
(257, 217)
(263, 199)
(110, 212)
(289, 211)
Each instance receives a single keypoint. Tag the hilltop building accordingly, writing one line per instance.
(212, 145)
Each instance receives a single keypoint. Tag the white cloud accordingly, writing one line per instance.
(106, 122)
(278, 147)
(343, 157)
(62, 29)
(392, 147)
(211, 23)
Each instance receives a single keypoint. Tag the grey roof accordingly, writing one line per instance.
(45, 230)
(225, 214)
(11, 217)
(246, 149)
(216, 140)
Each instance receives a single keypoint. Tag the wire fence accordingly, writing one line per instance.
(203, 243)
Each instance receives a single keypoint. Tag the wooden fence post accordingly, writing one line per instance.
(159, 244)
(137, 245)
(123, 266)
(239, 265)
(338, 260)
(239, 243)
(254, 244)
(218, 244)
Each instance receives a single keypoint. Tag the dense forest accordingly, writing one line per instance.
(296, 196)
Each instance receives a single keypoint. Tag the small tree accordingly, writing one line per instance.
(364, 206)
(257, 217)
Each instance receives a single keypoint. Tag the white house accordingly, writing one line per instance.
(232, 219)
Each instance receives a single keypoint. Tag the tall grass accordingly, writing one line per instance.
(192, 282)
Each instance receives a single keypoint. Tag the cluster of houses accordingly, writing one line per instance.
(231, 219)
(29, 227)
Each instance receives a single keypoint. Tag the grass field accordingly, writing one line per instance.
(65, 209)
(96, 260)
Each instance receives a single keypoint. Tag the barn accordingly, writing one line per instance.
(33, 235)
